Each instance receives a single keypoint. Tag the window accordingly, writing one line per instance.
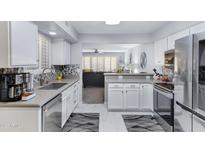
(107, 64)
(94, 64)
(113, 64)
(43, 44)
(86, 62)
(100, 63)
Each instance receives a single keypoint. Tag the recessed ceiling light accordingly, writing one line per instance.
(52, 33)
(112, 22)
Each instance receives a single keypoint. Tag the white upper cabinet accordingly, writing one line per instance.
(60, 52)
(159, 48)
(24, 43)
(198, 28)
(18, 44)
(173, 38)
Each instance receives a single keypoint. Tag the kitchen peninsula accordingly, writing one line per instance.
(126, 91)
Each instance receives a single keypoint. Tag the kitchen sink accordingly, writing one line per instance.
(53, 86)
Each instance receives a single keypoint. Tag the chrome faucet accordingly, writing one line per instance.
(43, 75)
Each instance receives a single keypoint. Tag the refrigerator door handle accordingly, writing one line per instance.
(191, 111)
(184, 107)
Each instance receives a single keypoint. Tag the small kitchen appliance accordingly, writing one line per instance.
(12, 85)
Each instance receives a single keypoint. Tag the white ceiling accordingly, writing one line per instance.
(125, 27)
(46, 26)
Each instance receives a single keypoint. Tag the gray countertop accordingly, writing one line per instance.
(42, 96)
(129, 81)
(128, 74)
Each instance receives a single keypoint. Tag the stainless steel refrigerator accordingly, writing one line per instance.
(189, 104)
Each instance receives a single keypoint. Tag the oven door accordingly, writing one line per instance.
(164, 105)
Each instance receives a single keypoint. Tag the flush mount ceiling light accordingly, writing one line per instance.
(112, 22)
(52, 33)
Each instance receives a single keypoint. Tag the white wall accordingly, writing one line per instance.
(136, 52)
(115, 38)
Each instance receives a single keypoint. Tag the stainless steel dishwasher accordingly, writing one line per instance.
(52, 115)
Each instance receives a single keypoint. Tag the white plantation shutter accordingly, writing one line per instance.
(100, 63)
(113, 64)
(44, 51)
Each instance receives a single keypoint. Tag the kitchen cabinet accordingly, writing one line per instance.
(132, 96)
(146, 96)
(64, 112)
(60, 52)
(70, 99)
(115, 96)
(198, 28)
(159, 48)
(174, 37)
(18, 44)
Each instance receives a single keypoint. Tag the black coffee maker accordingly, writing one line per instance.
(11, 87)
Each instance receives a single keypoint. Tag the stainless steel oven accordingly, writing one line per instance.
(164, 106)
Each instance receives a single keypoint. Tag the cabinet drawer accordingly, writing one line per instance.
(115, 85)
(132, 85)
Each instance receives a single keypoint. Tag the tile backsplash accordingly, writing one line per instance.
(68, 71)
(11, 70)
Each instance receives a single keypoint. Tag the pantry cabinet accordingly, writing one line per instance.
(18, 44)
(133, 96)
(60, 50)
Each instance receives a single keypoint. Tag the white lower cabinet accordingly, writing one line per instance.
(130, 96)
(70, 99)
(146, 96)
(64, 106)
(115, 96)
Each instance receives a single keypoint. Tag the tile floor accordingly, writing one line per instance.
(109, 121)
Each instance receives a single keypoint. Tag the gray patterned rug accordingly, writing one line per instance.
(141, 123)
(82, 122)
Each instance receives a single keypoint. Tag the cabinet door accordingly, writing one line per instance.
(69, 105)
(146, 101)
(159, 48)
(115, 98)
(132, 98)
(64, 112)
(24, 43)
(60, 52)
(67, 52)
